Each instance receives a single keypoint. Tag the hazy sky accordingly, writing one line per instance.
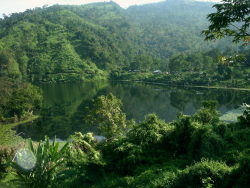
(11, 6)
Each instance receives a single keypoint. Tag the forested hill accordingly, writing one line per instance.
(61, 43)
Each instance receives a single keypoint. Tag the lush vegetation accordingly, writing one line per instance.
(66, 43)
(195, 151)
(19, 104)
(230, 19)
(211, 68)
(18, 100)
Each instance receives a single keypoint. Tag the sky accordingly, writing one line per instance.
(12, 6)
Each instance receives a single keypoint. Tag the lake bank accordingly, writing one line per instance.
(185, 86)
(8, 135)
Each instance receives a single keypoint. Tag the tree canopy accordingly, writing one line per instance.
(105, 113)
(232, 18)
(65, 43)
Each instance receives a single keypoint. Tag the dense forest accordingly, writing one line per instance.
(192, 151)
(161, 42)
(63, 43)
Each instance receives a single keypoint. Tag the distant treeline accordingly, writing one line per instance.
(64, 43)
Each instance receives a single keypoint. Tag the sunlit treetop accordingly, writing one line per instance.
(232, 18)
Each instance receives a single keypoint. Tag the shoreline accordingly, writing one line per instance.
(8, 135)
(189, 86)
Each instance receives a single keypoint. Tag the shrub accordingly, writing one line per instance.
(84, 162)
(206, 143)
(48, 157)
(124, 154)
(6, 155)
(245, 118)
(240, 177)
(205, 173)
(207, 114)
(155, 177)
(150, 131)
(181, 136)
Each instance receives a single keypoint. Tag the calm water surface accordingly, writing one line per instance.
(64, 104)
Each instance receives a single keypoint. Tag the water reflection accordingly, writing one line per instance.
(64, 104)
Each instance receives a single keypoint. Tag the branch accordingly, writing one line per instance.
(235, 26)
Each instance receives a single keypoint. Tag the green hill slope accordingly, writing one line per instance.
(63, 43)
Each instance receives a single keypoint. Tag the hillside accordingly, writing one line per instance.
(63, 43)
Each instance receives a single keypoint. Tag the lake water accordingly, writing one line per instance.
(64, 103)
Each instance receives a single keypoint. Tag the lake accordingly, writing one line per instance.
(63, 108)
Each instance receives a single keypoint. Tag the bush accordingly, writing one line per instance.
(124, 154)
(155, 177)
(47, 157)
(84, 163)
(6, 155)
(150, 131)
(144, 144)
(240, 177)
(205, 174)
(20, 102)
(206, 143)
(181, 136)
(207, 114)
(244, 120)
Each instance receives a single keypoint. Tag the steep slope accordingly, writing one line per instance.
(62, 43)
(51, 43)
(172, 26)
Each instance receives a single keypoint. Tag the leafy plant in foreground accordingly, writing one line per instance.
(49, 156)
(84, 162)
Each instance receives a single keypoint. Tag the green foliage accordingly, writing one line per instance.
(207, 114)
(19, 100)
(150, 131)
(23, 100)
(49, 158)
(206, 143)
(205, 174)
(122, 153)
(6, 155)
(105, 113)
(230, 19)
(245, 118)
(210, 68)
(240, 175)
(143, 144)
(152, 153)
(68, 43)
(84, 162)
(182, 133)
(83, 149)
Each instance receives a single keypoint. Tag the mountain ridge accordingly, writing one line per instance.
(89, 41)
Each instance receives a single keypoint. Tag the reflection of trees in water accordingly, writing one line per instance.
(179, 99)
(227, 98)
(61, 112)
(65, 105)
(53, 121)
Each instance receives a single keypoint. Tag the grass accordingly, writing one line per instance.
(8, 135)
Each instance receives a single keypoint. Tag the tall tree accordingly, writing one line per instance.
(106, 113)
(232, 18)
